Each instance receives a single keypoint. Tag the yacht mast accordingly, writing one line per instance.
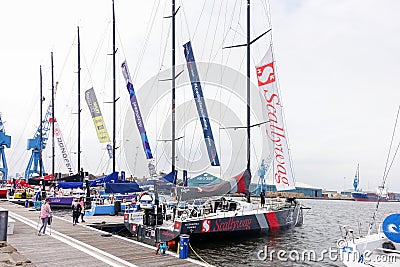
(173, 87)
(52, 116)
(114, 85)
(79, 104)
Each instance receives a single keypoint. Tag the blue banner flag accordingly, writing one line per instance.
(136, 111)
(200, 104)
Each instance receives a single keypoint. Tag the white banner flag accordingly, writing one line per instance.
(64, 152)
(282, 172)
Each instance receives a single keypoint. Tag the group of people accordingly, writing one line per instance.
(78, 210)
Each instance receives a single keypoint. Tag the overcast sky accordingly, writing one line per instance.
(337, 61)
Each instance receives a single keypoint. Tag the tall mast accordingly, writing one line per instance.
(52, 116)
(114, 93)
(79, 103)
(173, 86)
(248, 85)
(41, 133)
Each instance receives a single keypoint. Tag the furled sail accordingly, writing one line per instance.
(281, 164)
(97, 117)
(138, 118)
(200, 104)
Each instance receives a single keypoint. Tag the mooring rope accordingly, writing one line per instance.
(198, 256)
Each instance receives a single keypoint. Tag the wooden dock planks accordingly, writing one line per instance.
(50, 251)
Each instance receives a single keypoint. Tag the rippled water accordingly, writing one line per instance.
(319, 232)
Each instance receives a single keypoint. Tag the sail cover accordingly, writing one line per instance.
(171, 177)
(235, 184)
(282, 172)
(97, 117)
(200, 104)
(122, 188)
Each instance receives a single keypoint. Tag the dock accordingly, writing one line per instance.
(81, 245)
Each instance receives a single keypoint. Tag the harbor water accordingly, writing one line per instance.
(318, 235)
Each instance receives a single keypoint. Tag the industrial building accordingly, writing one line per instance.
(302, 189)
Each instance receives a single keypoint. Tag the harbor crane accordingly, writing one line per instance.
(356, 180)
(34, 144)
(5, 141)
(262, 184)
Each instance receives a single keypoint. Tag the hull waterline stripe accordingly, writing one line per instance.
(272, 220)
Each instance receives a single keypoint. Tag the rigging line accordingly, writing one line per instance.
(165, 47)
(161, 55)
(236, 78)
(191, 145)
(227, 32)
(235, 32)
(390, 147)
(235, 162)
(208, 26)
(372, 221)
(150, 25)
(229, 52)
(215, 33)
(96, 55)
(390, 166)
(186, 22)
(198, 21)
(66, 59)
(209, 59)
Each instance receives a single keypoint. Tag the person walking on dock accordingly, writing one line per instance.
(76, 211)
(45, 214)
(82, 203)
(262, 198)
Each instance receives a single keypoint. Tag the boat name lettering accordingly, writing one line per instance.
(232, 224)
(169, 234)
(275, 131)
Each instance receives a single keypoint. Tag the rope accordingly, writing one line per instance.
(385, 174)
(198, 256)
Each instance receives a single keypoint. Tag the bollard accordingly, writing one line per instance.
(3, 224)
(183, 246)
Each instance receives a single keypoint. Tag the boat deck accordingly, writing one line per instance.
(81, 245)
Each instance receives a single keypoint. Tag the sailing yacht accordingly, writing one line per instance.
(210, 211)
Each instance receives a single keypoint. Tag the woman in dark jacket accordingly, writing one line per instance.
(76, 211)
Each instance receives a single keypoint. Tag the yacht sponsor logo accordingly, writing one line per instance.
(231, 224)
(265, 74)
(191, 227)
(276, 133)
(168, 234)
(206, 226)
